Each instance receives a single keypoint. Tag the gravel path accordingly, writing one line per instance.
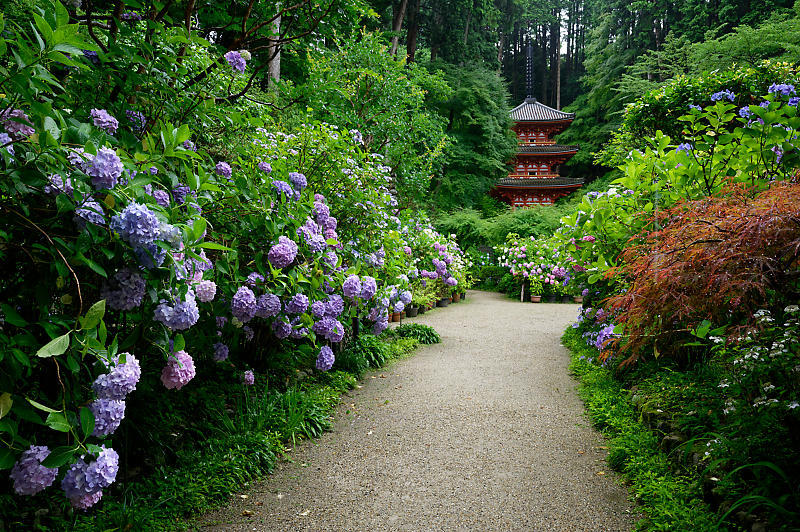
(481, 432)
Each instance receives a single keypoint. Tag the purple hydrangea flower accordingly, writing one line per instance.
(727, 93)
(179, 193)
(319, 198)
(243, 304)
(178, 371)
(103, 471)
(126, 290)
(5, 141)
(405, 297)
(189, 145)
(120, 380)
(283, 253)
(283, 188)
(91, 55)
(330, 223)
(334, 306)
(351, 287)
(221, 352)
(249, 333)
(58, 185)
(695, 107)
(281, 328)
(325, 359)
(321, 212)
(249, 378)
(745, 112)
(450, 281)
(399, 306)
(79, 158)
(205, 291)
(131, 16)
(221, 321)
(297, 305)
(108, 414)
(83, 484)
(298, 180)
(15, 121)
(137, 120)
(105, 169)
(319, 309)
(150, 256)
(136, 224)
(781, 88)
(265, 167)
(179, 316)
(161, 197)
(369, 287)
(29, 475)
(236, 61)
(685, 147)
(253, 279)
(223, 169)
(380, 326)
(104, 121)
(792, 101)
(268, 305)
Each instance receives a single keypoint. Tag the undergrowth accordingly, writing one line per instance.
(670, 498)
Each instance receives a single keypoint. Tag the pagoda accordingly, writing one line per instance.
(535, 179)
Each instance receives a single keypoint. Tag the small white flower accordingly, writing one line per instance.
(793, 405)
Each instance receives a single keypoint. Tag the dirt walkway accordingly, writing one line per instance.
(481, 432)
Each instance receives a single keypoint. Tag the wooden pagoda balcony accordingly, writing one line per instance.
(533, 176)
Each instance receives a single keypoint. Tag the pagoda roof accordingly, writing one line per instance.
(532, 111)
(547, 182)
(547, 148)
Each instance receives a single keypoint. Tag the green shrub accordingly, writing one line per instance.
(423, 333)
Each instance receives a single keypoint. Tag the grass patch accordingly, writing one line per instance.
(670, 498)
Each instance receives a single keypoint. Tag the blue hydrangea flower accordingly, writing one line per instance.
(236, 61)
(405, 297)
(104, 121)
(318, 309)
(253, 279)
(727, 93)
(297, 305)
(249, 378)
(205, 291)
(298, 180)
(369, 287)
(284, 189)
(120, 380)
(126, 290)
(178, 316)
(224, 169)
(325, 358)
(29, 475)
(781, 88)
(268, 305)
(283, 253)
(150, 256)
(265, 167)
(243, 304)
(58, 185)
(351, 288)
(281, 328)
(108, 414)
(220, 352)
(321, 212)
(105, 169)
(745, 112)
(136, 224)
(685, 147)
(137, 120)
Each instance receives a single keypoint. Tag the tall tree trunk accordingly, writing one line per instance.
(413, 31)
(274, 53)
(500, 45)
(466, 26)
(558, 81)
(397, 24)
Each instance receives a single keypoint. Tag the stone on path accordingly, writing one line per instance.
(484, 431)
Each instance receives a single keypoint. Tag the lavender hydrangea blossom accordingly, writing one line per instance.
(297, 305)
(29, 475)
(150, 256)
(727, 93)
(58, 185)
(6, 142)
(137, 120)
(15, 121)
(108, 414)
(281, 328)
(284, 189)
(104, 121)
(249, 378)
(121, 380)
(178, 371)
(405, 297)
(178, 316)
(236, 61)
(126, 290)
(325, 358)
(334, 305)
(105, 170)
(318, 309)
(161, 197)
(283, 253)
(243, 304)
(221, 352)
(205, 291)
(268, 305)
(351, 288)
(253, 279)
(369, 287)
(265, 167)
(136, 224)
(298, 180)
(223, 169)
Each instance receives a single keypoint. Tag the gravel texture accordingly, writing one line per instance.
(484, 431)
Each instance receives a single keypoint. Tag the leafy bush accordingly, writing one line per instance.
(423, 333)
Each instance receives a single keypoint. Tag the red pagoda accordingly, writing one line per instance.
(535, 178)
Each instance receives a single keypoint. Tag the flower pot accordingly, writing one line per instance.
(443, 302)
(411, 312)
(456, 297)
(578, 299)
(552, 298)
(463, 295)
(536, 299)
(395, 316)
(566, 299)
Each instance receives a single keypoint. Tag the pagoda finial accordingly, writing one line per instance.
(529, 72)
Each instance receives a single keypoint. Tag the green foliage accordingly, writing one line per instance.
(423, 333)
(670, 500)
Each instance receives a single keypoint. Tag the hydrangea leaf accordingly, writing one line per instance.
(7, 459)
(5, 404)
(59, 456)
(87, 421)
(94, 315)
(58, 421)
(55, 347)
(12, 316)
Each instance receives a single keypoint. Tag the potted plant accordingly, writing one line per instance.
(536, 289)
(549, 292)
